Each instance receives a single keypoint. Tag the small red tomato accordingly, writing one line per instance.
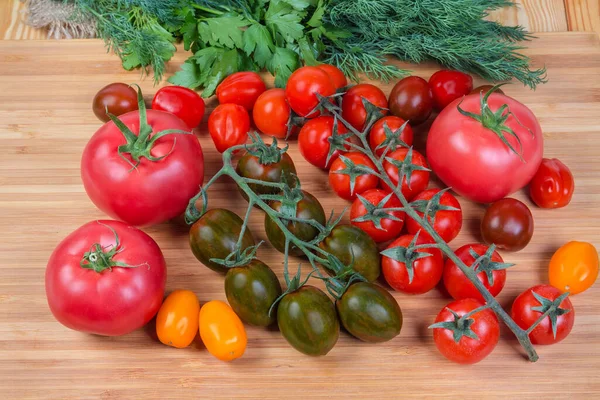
(467, 350)
(419, 177)
(390, 227)
(182, 102)
(508, 224)
(340, 183)
(302, 89)
(411, 100)
(228, 126)
(552, 186)
(422, 273)
(116, 98)
(242, 88)
(460, 287)
(446, 223)
(377, 134)
(353, 109)
(532, 303)
(447, 86)
(313, 141)
(335, 74)
(271, 113)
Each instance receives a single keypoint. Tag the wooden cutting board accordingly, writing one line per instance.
(46, 89)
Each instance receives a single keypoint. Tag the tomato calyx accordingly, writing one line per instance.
(460, 326)
(293, 284)
(430, 207)
(406, 167)
(353, 171)
(392, 139)
(337, 142)
(549, 308)
(238, 258)
(375, 213)
(484, 263)
(192, 213)
(409, 254)
(266, 154)
(141, 145)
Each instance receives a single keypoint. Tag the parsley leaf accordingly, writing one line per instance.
(284, 20)
(188, 76)
(283, 63)
(258, 40)
(222, 31)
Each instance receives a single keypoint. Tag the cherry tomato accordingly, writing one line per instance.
(377, 134)
(574, 267)
(411, 100)
(524, 315)
(390, 228)
(177, 319)
(242, 88)
(302, 88)
(340, 183)
(313, 141)
(483, 89)
(446, 223)
(447, 86)
(457, 283)
(222, 331)
(228, 126)
(419, 178)
(427, 270)
(271, 113)
(467, 350)
(181, 101)
(335, 74)
(353, 109)
(508, 224)
(552, 185)
(116, 98)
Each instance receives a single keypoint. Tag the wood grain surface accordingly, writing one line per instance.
(46, 88)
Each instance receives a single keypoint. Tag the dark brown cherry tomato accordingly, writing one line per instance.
(377, 134)
(411, 99)
(508, 224)
(447, 86)
(353, 109)
(181, 101)
(552, 185)
(340, 183)
(249, 166)
(116, 98)
(335, 74)
(242, 88)
(483, 89)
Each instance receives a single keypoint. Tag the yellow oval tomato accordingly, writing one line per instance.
(574, 267)
(177, 319)
(222, 331)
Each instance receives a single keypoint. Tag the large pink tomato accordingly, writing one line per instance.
(142, 171)
(106, 278)
(485, 148)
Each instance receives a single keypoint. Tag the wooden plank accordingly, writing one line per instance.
(534, 15)
(583, 15)
(46, 120)
(12, 22)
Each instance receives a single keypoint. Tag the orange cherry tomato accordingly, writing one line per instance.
(222, 331)
(574, 267)
(177, 319)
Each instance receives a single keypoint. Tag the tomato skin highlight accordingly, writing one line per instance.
(411, 99)
(182, 102)
(112, 302)
(447, 223)
(447, 86)
(459, 286)
(391, 228)
(222, 331)
(553, 185)
(153, 192)
(335, 74)
(313, 141)
(574, 267)
(116, 98)
(177, 319)
(241, 88)
(340, 183)
(419, 179)
(524, 316)
(353, 110)
(377, 132)
(467, 350)
(271, 113)
(228, 126)
(302, 88)
(508, 224)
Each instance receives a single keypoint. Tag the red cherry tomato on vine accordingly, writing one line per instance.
(447, 86)
(391, 228)
(427, 270)
(419, 178)
(377, 134)
(116, 98)
(335, 74)
(340, 183)
(302, 88)
(508, 224)
(446, 223)
(353, 109)
(271, 113)
(552, 185)
(467, 350)
(242, 88)
(313, 141)
(457, 283)
(411, 100)
(228, 126)
(524, 315)
(181, 101)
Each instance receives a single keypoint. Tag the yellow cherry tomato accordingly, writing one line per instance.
(177, 319)
(574, 267)
(222, 331)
